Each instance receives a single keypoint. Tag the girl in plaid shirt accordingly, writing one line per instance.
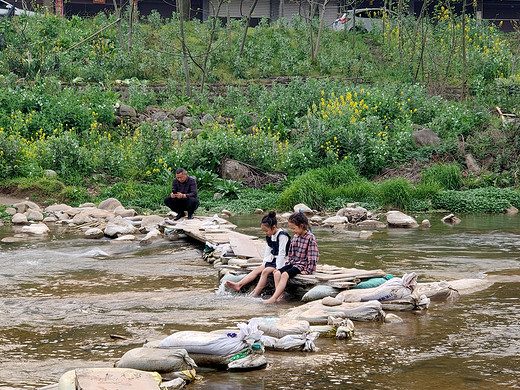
(302, 257)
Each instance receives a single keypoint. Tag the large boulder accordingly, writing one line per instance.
(34, 215)
(234, 170)
(398, 219)
(336, 220)
(119, 226)
(303, 208)
(38, 229)
(109, 204)
(19, 219)
(354, 215)
(180, 112)
(150, 222)
(371, 224)
(425, 137)
(94, 233)
(120, 210)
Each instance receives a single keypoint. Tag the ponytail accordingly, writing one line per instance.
(270, 219)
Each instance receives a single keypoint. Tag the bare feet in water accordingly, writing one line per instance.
(233, 285)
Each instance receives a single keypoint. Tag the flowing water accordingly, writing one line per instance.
(65, 300)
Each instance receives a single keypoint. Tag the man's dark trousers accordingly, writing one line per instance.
(180, 205)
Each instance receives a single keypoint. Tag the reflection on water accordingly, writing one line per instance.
(67, 302)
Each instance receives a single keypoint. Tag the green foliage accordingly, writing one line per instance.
(395, 193)
(315, 188)
(205, 179)
(137, 195)
(480, 200)
(228, 188)
(250, 200)
(446, 176)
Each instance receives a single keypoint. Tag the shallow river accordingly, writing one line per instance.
(61, 301)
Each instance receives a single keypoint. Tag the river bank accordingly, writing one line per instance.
(61, 303)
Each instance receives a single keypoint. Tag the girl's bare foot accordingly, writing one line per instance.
(233, 285)
(270, 300)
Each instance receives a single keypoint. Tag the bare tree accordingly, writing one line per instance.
(184, 48)
(246, 27)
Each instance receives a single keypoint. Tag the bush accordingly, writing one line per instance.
(480, 200)
(395, 192)
(315, 188)
(447, 176)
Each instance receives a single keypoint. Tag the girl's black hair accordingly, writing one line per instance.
(299, 219)
(270, 219)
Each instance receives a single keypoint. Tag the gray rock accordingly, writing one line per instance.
(126, 237)
(363, 234)
(180, 112)
(109, 204)
(332, 221)
(20, 207)
(304, 208)
(12, 239)
(94, 233)
(330, 301)
(207, 118)
(371, 224)
(19, 219)
(56, 208)
(38, 229)
(425, 137)
(81, 218)
(400, 220)
(512, 210)
(316, 219)
(354, 215)
(49, 219)
(150, 236)
(127, 112)
(471, 163)
(451, 219)
(426, 224)
(34, 215)
(227, 213)
(196, 132)
(120, 210)
(119, 226)
(190, 121)
(150, 222)
(89, 204)
(1, 223)
(217, 195)
(50, 172)
(259, 211)
(11, 210)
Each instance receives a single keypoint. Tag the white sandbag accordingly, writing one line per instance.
(395, 288)
(252, 361)
(279, 326)
(213, 344)
(470, 286)
(319, 292)
(412, 302)
(157, 359)
(109, 379)
(292, 342)
(436, 291)
(317, 314)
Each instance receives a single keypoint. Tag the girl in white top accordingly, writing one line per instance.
(278, 242)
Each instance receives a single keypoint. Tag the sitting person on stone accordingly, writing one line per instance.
(302, 257)
(183, 196)
(278, 242)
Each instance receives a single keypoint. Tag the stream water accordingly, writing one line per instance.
(64, 298)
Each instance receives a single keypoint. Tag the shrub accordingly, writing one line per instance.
(395, 192)
(480, 200)
(447, 176)
(315, 188)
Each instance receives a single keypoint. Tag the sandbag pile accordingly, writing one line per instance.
(237, 351)
(285, 334)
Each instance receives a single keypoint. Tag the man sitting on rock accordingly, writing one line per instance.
(183, 196)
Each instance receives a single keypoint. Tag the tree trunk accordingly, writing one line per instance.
(184, 50)
(464, 59)
(120, 32)
(210, 42)
(246, 27)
